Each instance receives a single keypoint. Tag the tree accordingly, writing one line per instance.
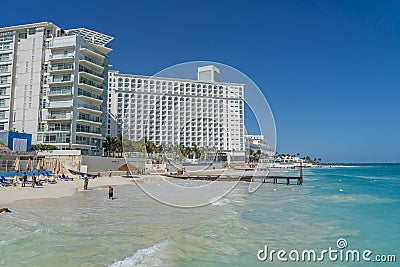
(43, 147)
(119, 144)
(109, 145)
(257, 155)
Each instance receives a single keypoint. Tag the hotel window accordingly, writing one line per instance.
(2, 126)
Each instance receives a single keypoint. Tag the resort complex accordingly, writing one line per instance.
(171, 111)
(56, 86)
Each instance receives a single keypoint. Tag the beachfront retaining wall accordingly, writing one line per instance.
(103, 164)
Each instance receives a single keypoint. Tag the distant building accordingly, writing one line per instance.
(52, 84)
(257, 142)
(203, 112)
(16, 142)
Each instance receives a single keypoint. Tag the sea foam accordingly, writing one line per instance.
(146, 256)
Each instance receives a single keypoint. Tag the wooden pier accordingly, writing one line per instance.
(246, 178)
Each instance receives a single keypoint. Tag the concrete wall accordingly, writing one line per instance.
(103, 164)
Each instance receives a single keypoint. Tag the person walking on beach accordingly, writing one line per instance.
(33, 180)
(24, 178)
(110, 174)
(110, 192)
(85, 183)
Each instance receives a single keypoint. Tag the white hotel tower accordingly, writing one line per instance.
(202, 112)
(52, 84)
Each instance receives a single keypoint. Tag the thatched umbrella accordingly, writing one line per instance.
(58, 166)
(79, 163)
(16, 165)
(128, 168)
(39, 165)
(28, 165)
(53, 166)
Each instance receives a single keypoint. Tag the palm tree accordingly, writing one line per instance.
(119, 144)
(109, 144)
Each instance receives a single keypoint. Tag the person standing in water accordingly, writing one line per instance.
(85, 183)
(110, 192)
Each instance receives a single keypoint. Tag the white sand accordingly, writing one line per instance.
(10, 194)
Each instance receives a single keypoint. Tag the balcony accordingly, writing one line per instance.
(59, 117)
(60, 105)
(88, 64)
(89, 108)
(54, 92)
(5, 60)
(89, 85)
(87, 96)
(61, 69)
(90, 60)
(67, 45)
(92, 54)
(61, 58)
(88, 132)
(91, 76)
(61, 81)
(90, 121)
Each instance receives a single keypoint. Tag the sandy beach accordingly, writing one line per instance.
(60, 189)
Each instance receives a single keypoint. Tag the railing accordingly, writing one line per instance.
(64, 67)
(60, 80)
(62, 44)
(88, 118)
(60, 104)
(60, 91)
(80, 130)
(92, 61)
(89, 107)
(85, 81)
(90, 71)
(81, 142)
(86, 93)
(61, 56)
(58, 116)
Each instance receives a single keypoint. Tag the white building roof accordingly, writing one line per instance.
(92, 36)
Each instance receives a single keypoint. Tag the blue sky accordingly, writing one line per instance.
(330, 70)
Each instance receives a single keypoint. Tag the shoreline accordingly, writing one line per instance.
(11, 194)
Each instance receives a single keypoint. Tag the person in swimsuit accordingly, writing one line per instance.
(110, 192)
(33, 180)
(24, 178)
(85, 183)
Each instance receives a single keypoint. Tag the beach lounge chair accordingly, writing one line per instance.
(4, 182)
(63, 178)
(27, 181)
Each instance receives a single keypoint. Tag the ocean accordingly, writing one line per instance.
(358, 205)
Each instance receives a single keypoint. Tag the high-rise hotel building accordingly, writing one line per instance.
(52, 84)
(203, 112)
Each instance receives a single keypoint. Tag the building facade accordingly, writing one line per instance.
(203, 112)
(52, 84)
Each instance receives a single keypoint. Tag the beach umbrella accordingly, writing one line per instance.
(79, 164)
(28, 164)
(58, 166)
(53, 166)
(39, 165)
(16, 165)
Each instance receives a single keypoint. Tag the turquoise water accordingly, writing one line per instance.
(358, 203)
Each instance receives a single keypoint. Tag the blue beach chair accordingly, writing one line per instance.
(4, 182)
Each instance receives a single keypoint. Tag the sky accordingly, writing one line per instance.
(330, 70)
